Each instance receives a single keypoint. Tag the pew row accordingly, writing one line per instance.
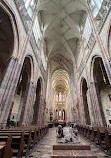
(99, 135)
(19, 141)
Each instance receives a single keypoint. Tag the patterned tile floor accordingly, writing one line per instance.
(44, 148)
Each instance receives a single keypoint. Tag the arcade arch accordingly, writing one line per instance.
(19, 102)
(37, 101)
(103, 90)
(6, 41)
(84, 89)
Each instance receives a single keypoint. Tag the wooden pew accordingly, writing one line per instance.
(101, 136)
(17, 143)
(2, 147)
(89, 132)
(7, 148)
(94, 133)
(107, 139)
(23, 138)
(86, 131)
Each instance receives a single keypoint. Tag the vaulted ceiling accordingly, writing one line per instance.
(62, 23)
(60, 81)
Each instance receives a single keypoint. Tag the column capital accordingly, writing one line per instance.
(12, 57)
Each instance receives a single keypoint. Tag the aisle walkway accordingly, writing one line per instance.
(44, 148)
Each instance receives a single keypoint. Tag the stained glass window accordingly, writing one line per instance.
(63, 97)
(96, 5)
(57, 97)
(87, 30)
(60, 114)
(60, 97)
(30, 11)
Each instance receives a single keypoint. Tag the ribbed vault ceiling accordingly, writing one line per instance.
(62, 22)
(60, 81)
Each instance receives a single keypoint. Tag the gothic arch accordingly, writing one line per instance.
(37, 101)
(91, 67)
(9, 38)
(109, 43)
(31, 79)
(22, 90)
(13, 19)
(100, 80)
(85, 108)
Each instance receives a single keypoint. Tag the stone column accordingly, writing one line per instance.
(81, 111)
(91, 114)
(27, 109)
(7, 88)
(40, 120)
(102, 14)
(95, 104)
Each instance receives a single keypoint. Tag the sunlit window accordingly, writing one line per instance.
(96, 5)
(29, 6)
(60, 97)
(32, 3)
(87, 30)
(27, 2)
(63, 97)
(57, 97)
(36, 30)
(30, 11)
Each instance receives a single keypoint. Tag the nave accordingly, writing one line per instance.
(55, 67)
(44, 148)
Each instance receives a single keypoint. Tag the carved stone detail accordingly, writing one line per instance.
(102, 14)
(27, 21)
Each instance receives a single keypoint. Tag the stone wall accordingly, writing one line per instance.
(97, 47)
(23, 48)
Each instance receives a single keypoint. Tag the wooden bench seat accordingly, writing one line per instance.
(94, 133)
(101, 136)
(17, 143)
(21, 139)
(6, 148)
(107, 139)
(89, 132)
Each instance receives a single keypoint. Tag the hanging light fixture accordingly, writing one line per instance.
(104, 79)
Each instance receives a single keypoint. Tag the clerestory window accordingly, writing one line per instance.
(87, 30)
(95, 5)
(29, 4)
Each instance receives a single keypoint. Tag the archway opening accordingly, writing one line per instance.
(6, 41)
(85, 102)
(19, 102)
(37, 102)
(103, 90)
(56, 115)
(61, 101)
(109, 42)
(63, 114)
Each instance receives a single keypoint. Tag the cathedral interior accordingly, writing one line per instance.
(55, 69)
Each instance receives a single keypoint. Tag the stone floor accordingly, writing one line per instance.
(44, 148)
